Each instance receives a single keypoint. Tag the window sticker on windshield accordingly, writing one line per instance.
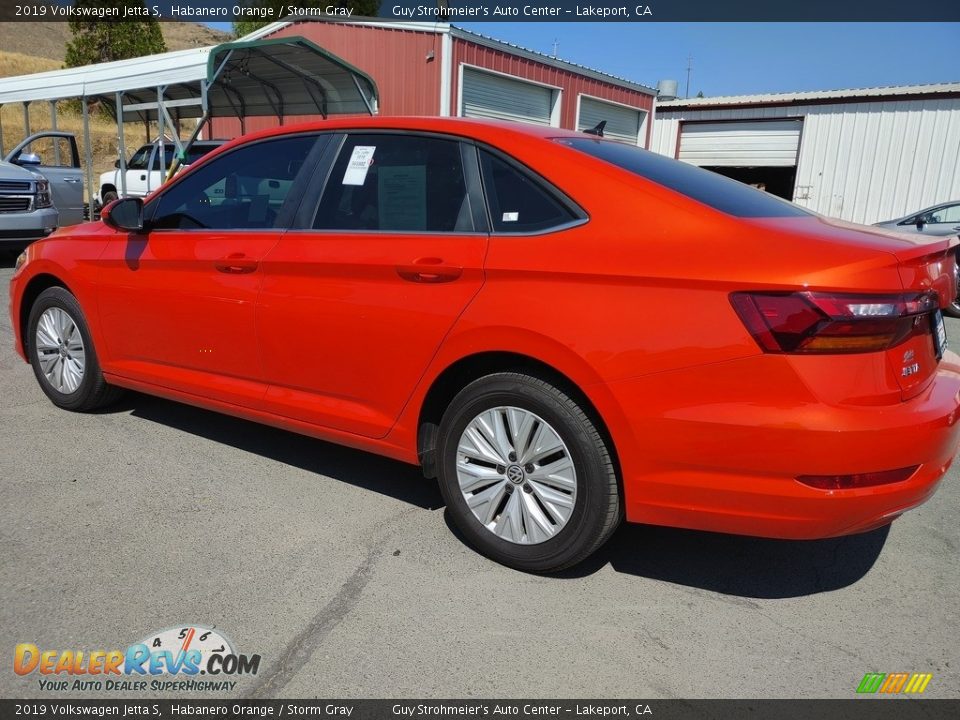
(360, 161)
(511, 217)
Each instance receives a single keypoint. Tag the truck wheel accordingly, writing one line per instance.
(108, 197)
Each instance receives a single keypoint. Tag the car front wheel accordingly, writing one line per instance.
(527, 476)
(62, 353)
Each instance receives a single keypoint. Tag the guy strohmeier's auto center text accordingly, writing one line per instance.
(522, 10)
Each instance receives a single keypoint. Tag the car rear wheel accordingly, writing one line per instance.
(526, 475)
(62, 353)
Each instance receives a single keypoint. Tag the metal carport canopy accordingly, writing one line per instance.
(281, 76)
(276, 77)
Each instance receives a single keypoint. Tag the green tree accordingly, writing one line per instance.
(364, 8)
(95, 42)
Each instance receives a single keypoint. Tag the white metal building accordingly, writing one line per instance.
(861, 155)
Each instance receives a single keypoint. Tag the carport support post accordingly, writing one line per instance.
(53, 126)
(161, 155)
(26, 120)
(1, 131)
(121, 145)
(88, 157)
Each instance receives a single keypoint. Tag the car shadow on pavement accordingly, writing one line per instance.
(736, 564)
(388, 477)
(733, 565)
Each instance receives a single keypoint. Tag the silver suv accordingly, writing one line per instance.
(41, 188)
(26, 210)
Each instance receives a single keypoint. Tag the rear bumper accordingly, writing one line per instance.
(730, 464)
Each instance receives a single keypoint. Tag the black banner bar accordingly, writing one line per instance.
(892, 708)
(496, 11)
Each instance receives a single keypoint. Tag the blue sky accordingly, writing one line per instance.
(740, 58)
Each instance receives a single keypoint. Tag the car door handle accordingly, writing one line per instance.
(957, 227)
(143, 177)
(429, 270)
(236, 264)
(73, 180)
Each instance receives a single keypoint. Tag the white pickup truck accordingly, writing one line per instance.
(144, 173)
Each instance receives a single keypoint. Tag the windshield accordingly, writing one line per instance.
(720, 193)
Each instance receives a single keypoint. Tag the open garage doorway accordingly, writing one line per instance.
(757, 152)
(777, 181)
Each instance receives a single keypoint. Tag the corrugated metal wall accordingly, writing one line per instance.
(396, 59)
(859, 161)
(470, 53)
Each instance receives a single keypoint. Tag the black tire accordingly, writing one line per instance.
(596, 509)
(108, 197)
(92, 392)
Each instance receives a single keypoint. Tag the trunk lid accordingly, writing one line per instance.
(923, 264)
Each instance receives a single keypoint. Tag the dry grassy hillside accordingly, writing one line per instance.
(38, 47)
(103, 131)
(49, 39)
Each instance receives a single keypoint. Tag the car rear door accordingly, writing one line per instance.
(356, 303)
(177, 303)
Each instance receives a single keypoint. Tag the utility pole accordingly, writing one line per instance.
(689, 68)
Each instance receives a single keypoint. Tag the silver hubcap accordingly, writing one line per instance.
(60, 350)
(516, 475)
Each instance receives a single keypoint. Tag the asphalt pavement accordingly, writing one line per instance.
(341, 570)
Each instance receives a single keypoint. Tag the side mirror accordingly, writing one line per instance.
(28, 159)
(124, 214)
(116, 163)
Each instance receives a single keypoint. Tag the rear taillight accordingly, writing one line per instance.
(859, 480)
(814, 322)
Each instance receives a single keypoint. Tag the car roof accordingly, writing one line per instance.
(480, 129)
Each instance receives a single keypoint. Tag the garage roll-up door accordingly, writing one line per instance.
(493, 96)
(741, 144)
(623, 123)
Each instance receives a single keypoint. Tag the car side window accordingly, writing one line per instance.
(140, 158)
(948, 214)
(169, 151)
(54, 151)
(243, 189)
(396, 183)
(519, 203)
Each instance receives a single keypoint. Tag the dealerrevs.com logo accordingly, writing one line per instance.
(183, 653)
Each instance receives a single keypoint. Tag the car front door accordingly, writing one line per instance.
(177, 302)
(60, 165)
(945, 220)
(356, 303)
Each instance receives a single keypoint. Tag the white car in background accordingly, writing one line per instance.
(144, 172)
(938, 220)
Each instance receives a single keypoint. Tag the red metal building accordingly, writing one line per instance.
(439, 69)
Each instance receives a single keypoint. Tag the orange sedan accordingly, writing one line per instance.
(563, 330)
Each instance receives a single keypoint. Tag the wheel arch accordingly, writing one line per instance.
(35, 286)
(472, 367)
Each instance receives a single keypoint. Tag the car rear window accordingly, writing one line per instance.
(720, 193)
